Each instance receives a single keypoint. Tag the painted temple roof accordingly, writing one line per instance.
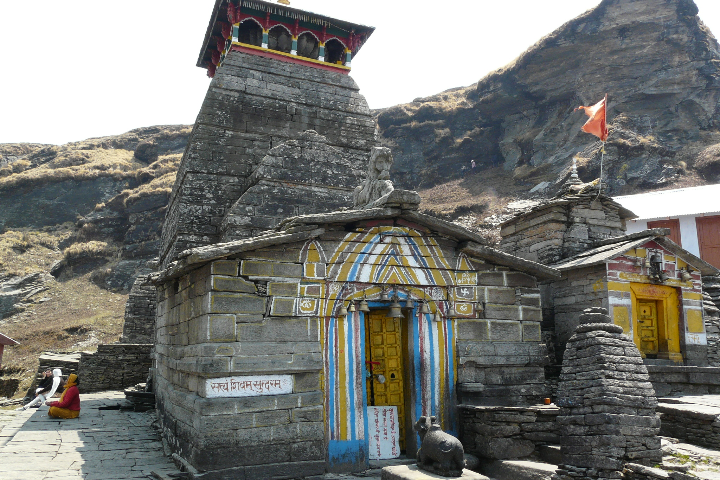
(5, 340)
(309, 21)
(306, 227)
(612, 247)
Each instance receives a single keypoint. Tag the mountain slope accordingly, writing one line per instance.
(655, 58)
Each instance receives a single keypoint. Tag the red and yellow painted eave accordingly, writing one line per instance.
(289, 58)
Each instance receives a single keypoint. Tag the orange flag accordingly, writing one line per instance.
(596, 125)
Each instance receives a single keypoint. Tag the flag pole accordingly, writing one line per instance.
(602, 152)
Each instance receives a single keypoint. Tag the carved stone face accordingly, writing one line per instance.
(380, 162)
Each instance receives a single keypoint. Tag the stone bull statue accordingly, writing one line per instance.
(440, 452)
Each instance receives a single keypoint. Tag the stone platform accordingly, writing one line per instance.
(101, 444)
(412, 472)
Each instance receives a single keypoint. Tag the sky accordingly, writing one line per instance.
(77, 69)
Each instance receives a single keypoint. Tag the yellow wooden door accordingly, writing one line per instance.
(384, 356)
(648, 327)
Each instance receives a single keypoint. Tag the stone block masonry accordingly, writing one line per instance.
(607, 402)
(254, 104)
(114, 367)
(139, 324)
(507, 432)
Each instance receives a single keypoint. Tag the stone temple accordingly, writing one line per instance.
(290, 307)
(305, 307)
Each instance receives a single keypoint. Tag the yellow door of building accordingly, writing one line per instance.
(384, 361)
(648, 327)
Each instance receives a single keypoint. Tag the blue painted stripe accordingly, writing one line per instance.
(331, 373)
(363, 335)
(433, 361)
(349, 347)
(361, 257)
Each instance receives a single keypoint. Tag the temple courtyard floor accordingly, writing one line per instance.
(119, 444)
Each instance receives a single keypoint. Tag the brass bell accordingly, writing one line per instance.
(425, 309)
(395, 310)
(452, 313)
(384, 296)
(409, 303)
(351, 308)
(364, 307)
(343, 311)
(438, 318)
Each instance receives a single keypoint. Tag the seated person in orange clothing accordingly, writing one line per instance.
(69, 404)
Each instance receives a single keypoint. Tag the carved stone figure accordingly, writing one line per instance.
(440, 453)
(377, 186)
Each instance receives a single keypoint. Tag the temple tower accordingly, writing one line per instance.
(276, 72)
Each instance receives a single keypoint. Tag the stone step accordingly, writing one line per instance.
(517, 470)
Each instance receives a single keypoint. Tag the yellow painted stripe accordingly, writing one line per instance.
(342, 380)
(246, 45)
(619, 286)
(692, 296)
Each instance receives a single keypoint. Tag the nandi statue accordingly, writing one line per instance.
(440, 453)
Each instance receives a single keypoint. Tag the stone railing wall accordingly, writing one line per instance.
(507, 432)
(139, 326)
(672, 380)
(691, 423)
(114, 367)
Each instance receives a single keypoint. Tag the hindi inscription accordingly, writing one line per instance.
(384, 434)
(250, 386)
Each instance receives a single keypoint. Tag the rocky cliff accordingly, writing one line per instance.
(111, 190)
(655, 58)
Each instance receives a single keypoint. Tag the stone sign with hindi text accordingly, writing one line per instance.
(250, 386)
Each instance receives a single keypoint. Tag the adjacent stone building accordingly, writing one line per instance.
(651, 286)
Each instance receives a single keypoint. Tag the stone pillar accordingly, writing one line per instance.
(607, 415)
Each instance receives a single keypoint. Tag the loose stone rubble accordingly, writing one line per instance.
(607, 403)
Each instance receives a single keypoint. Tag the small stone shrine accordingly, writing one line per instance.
(607, 402)
(651, 286)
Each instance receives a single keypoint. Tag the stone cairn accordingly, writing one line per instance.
(607, 403)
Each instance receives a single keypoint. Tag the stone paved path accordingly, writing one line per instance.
(101, 444)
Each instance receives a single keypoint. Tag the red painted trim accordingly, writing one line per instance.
(283, 58)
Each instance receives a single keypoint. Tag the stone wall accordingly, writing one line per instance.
(114, 367)
(507, 432)
(254, 104)
(501, 356)
(139, 324)
(213, 322)
(684, 380)
(694, 424)
(565, 299)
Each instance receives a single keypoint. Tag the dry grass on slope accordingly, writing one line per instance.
(72, 314)
(74, 165)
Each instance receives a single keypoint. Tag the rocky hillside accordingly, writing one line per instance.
(80, 221)
(657, 61)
